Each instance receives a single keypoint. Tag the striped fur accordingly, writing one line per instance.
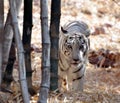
(73, 53)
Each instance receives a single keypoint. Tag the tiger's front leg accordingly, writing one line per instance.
(75, 79)
(71, 80)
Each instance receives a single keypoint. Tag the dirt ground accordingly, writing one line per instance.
(102, 85)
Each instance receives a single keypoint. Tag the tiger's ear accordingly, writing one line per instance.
(64, 31)
(87, 34)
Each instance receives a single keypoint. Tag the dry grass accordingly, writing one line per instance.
(101, 86)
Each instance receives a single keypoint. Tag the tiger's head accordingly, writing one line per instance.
(74, 42)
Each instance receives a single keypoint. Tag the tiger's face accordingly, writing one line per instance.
(75, 48)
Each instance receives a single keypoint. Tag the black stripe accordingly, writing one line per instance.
(78, 78)
(78, 69)
(85, 51)
(63, 69)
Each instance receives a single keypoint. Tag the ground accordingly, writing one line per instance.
(102, 85)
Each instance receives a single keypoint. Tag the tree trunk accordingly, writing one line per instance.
(54, 36)
(8, 35)
(26, 39)
(1, 35)
(8, 58)
(20, 52)
(7, 77)
(45, 83)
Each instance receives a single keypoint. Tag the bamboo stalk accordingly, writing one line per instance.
(20, 52)
(8, 35)
(1, 35)
(7, 75)
(54, 36)
(26, 39)
(8, 50)
(45, 83)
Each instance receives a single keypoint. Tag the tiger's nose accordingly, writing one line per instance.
(76, 59)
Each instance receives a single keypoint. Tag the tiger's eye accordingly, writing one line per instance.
(71, 38)
(81, 47)
(80, 38)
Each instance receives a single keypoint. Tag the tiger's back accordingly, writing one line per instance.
(73, 53)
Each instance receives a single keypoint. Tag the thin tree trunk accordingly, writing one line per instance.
(7, 77)
(26, 39)
(45, 83)
(54, 36)
(1, 35)
(8, 63)
(8, 34)
(20, 52)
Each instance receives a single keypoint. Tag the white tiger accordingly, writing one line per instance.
(73, 54)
